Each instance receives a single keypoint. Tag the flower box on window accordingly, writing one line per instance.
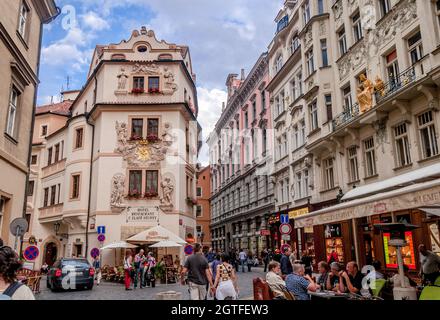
(137, 90)
(135, 138)
(152, 138)
(191, 201)
(134, 194)
(151, 194)
(153, 90)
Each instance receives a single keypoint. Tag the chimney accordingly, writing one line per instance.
(242, 74)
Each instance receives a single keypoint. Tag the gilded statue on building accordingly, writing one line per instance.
(365, 94)
(379, 86)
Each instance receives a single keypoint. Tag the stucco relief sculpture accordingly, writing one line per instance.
(365, 94)
(140, 153)
(151, 69)
(170, 84)
(122, 80)
(117, 191)
(167, 191)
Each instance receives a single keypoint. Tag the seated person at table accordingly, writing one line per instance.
(299, 283)
(397, 283)
(333, 277)
(274, 280)
(351, 279)
(323, 269)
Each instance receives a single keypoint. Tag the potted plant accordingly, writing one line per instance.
(137, 90)
(152, 138)
(135, 137)
(134, 194)
(159, 272)
(153, 90)
(151, 194)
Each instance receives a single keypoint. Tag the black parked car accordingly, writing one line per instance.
(70, 273)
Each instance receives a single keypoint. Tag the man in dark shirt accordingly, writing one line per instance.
(286, 266)
(351, 279)
(199, 274)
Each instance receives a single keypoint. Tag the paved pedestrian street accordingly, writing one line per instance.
(116, 291)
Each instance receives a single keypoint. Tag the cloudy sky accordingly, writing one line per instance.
(223, 35)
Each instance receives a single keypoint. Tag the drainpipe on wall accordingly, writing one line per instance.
(90, 172)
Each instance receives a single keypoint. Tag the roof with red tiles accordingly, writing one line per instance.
(61, 108)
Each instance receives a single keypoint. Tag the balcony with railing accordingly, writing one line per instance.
(51, 213)
(53, 168)
(395, 84)
(348, 115)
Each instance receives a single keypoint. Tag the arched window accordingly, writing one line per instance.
(278, 63)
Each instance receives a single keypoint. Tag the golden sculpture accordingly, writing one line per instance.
(365, 95)
(143, 152)
(379, 86)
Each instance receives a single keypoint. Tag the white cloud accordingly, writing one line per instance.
(94, 22)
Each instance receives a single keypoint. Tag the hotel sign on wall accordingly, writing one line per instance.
(144, 215)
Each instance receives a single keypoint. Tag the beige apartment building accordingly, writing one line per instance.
(122, 157)
(368, 100)
(20, 33)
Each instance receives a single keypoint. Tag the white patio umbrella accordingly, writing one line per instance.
(118, 245)
(166, 244)
(154, 235)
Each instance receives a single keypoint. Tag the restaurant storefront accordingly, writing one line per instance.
(345, 231)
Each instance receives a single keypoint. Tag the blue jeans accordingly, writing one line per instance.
(242, 263)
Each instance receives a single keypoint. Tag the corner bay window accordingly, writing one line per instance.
(75, 186)
(79, 138)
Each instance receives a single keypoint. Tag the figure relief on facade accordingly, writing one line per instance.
(117, 191)
(170, 84)
(308, 38)
(337, 10)
(322, 29)
(122, 81)
(352, 60)
(167, 194)
(140, 153)
(149, 69)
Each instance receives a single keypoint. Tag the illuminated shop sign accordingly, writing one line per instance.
(407, 252)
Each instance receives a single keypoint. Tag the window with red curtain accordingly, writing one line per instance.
(135, 182)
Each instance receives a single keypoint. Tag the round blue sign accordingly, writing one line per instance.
(31, 253)
(188, 250)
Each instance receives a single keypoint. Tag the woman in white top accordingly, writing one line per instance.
(225, 280)
(10, 288)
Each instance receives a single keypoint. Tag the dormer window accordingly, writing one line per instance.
(142, 49)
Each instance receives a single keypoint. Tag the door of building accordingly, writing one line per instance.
(50, 255)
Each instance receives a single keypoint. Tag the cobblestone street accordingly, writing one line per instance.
(116, 291)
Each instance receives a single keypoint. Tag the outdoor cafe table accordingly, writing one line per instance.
(327, 295)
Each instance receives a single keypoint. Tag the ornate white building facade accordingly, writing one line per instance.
(125, 159)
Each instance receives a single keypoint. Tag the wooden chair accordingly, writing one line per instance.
(104, 272)
(262, 290)
(34, 284)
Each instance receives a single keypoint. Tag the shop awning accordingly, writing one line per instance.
(419, 195)
(403, 180)
(433, 210)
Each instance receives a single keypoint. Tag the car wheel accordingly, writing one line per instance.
(89, 287)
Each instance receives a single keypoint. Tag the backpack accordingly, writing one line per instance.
(9, 292)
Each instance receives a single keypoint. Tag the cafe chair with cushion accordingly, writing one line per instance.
(430, 293)
(379, 285)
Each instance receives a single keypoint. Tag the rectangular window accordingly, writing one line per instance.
(353, 164)
(320, 6)
(313, 109)
(342, 39)
(49, 156)
(357, 27)
(57, 153)
(348, 102)
(263, 101)
(385, 7)
(43, 131)
(199, 191)
(328, 106)
(137, 127)
(393, 69)
(46, 197)
(428, 135)
(31, 185)
(79, 138)
(403, 155)
(309, 61)
(294, 44)
(53, 193)
(153, 127)
(24, 17)
(199, 211)
(153, 84)
(302, 136)
(34, 159)
(299, 186)
(152, 182)
(59, 193)
(281, 105)
(139, 83)
(329, 176)
(12, 114)
(299, 84)
(76, 179)
(296, 143)
(324, 53)
(135, 183)
(306, 183)
(254, 110)
(306, 12)
(264, 141)
(415, 47)
(370, 157)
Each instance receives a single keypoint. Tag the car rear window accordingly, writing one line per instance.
(76, 263)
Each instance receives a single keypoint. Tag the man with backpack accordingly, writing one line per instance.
(10, 288)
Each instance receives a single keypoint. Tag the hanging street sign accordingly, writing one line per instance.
(284, 218)
(285, 228)
(101, 230)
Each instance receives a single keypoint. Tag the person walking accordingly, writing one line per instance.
(137, 268)
(429, 265)
(128, 260)
(250, 261)
(243, 258)
(225, 280)
(286, 266)
(199, 274)
(10, 288)
(150, 264)
(97, 267)
(265, 258)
